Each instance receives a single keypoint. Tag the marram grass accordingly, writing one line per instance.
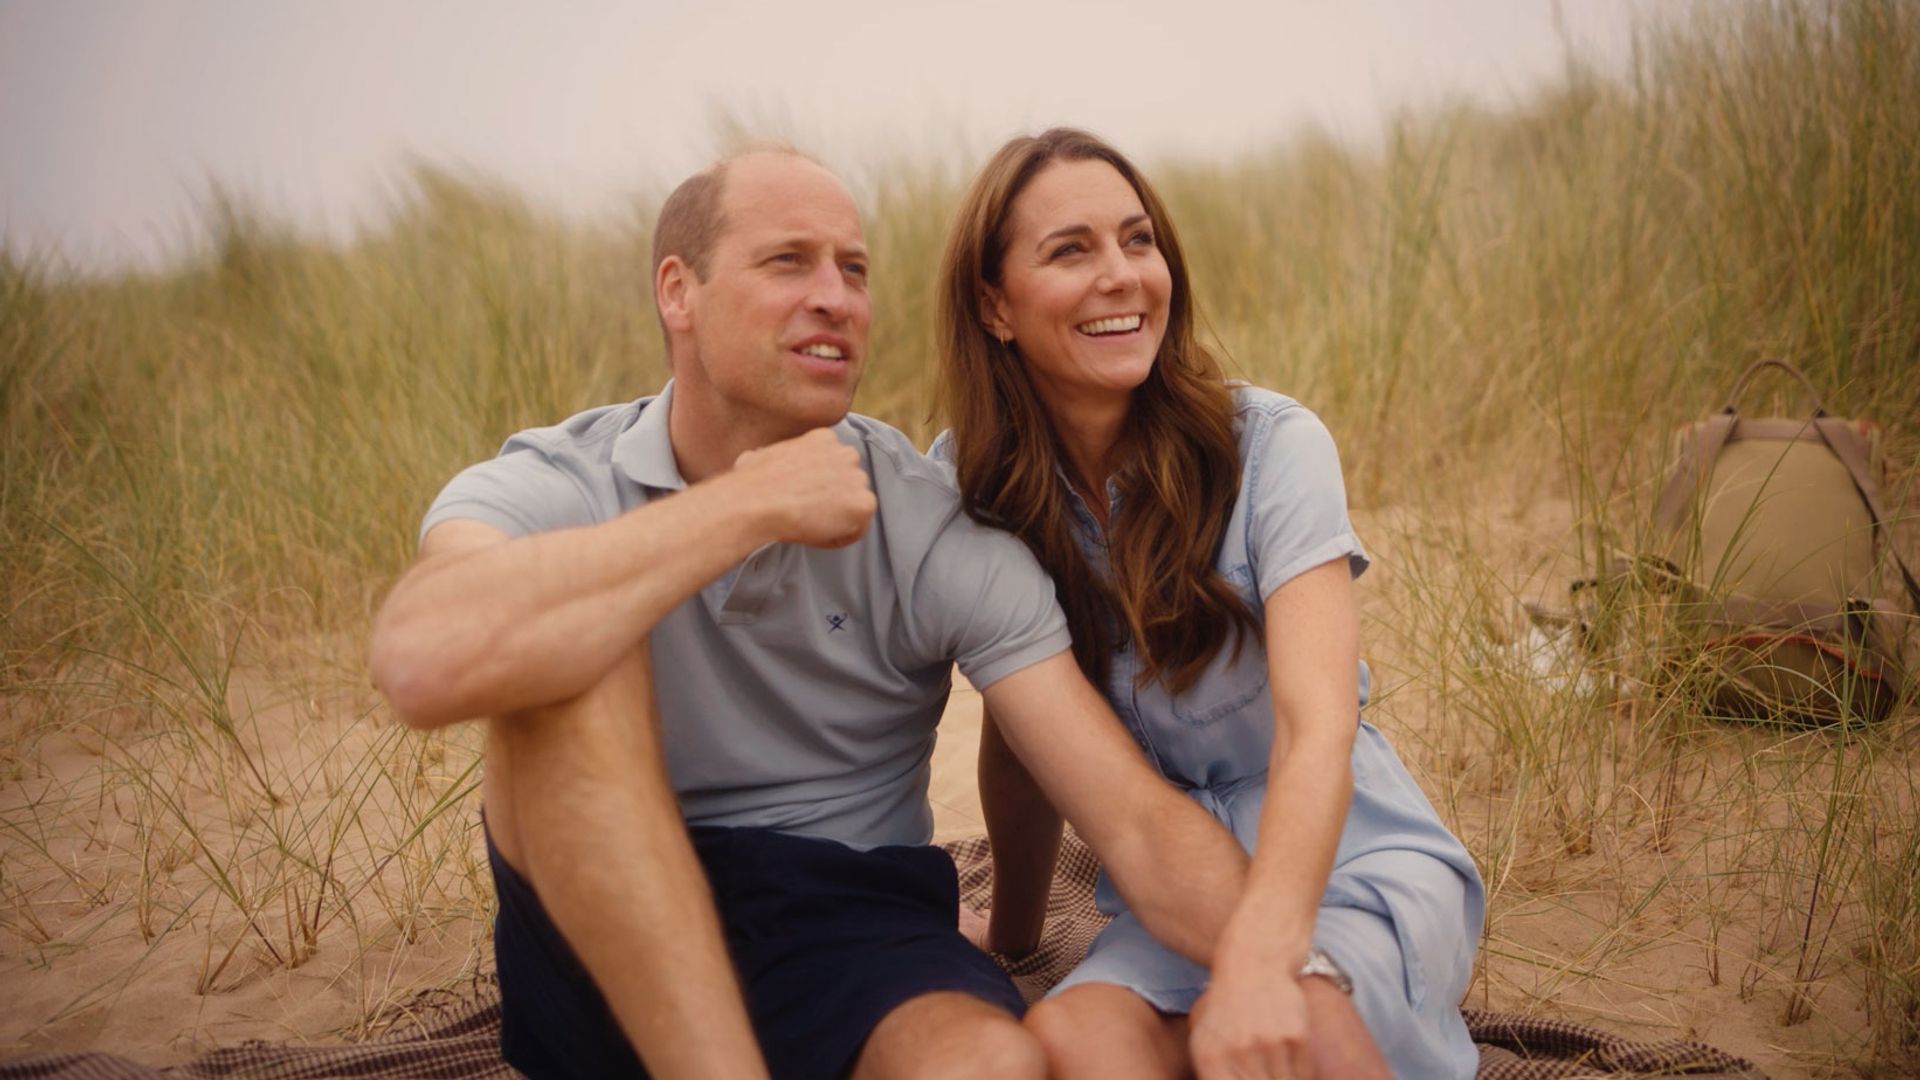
(208, 475)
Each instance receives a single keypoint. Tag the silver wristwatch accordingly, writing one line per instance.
(1319, 963)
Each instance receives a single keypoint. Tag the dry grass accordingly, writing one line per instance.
(206, 478)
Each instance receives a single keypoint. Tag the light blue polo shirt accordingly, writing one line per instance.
(800, 690)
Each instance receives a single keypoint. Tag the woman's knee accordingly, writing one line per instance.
(1052, 1022)
(1097, 1028)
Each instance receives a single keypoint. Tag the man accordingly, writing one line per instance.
(711, 633)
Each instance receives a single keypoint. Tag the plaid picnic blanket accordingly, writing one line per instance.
(1512, 1046)
(457, 1037)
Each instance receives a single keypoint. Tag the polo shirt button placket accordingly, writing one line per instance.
(752, 586)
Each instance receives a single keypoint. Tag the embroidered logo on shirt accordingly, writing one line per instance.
(836, 620)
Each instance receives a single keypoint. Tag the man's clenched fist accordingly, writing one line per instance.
(812, 489)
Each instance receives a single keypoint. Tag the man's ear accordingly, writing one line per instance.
(673, 287)
(993, 313)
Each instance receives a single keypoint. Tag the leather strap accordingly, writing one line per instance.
(1846, 446)
(1713, 434)
(1740, 384)
(1696, 463)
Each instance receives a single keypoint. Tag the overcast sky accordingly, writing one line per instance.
(114, 114)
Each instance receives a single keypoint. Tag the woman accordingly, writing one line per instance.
(1198, 537)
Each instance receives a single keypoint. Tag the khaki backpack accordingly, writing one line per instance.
(1787, 595)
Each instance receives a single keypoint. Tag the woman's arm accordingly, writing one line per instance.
(1313, 660)
(1255, 1010)
(1024, 831)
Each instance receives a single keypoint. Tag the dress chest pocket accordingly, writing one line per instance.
(1225, 688)
(1230, 684)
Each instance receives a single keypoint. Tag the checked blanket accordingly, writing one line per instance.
(458, 1038)
(1512, 1046)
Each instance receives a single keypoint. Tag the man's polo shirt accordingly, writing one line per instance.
(801, 689)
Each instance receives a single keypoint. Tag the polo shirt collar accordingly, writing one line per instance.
(645, 450)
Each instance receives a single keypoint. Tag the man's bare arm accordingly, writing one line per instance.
(1179, 870)
(486, 626)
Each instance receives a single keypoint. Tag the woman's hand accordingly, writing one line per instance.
(1251, 1022)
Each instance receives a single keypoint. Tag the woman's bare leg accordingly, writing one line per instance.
(1106, 1032)
(1338, 1042)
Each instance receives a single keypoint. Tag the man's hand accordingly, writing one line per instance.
(813, 489)
(1251, 1022)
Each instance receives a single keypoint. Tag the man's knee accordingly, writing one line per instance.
(950, 1036)
(610, 728)
(626, 689)
(590, 762)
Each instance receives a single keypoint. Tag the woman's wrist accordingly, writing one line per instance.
(1253, 939)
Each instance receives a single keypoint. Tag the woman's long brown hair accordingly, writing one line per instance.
(1177, 486)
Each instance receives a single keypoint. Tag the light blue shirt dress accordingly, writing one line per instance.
(1403, 907)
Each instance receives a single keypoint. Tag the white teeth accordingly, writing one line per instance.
(1116, 325)
(824, 351)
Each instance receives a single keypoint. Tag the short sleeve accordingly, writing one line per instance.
(1298, 517)
(521, 492)
(984, 600)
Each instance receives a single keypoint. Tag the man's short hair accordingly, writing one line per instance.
(691, 220)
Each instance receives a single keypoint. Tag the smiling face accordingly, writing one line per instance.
(1084, 289)
(772, 341)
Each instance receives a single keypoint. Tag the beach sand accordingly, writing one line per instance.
(161, 894)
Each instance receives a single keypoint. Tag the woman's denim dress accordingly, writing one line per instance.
(1403, 908)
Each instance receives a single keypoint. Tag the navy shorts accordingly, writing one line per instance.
(825, 940)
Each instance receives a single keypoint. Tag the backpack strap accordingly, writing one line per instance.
(1845, 446)
(1696, 464)
(1709, 438)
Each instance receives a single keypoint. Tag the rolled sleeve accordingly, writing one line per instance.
(1298, 518)
(992, 605)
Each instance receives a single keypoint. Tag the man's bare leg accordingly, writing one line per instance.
(579, 801)
(949, 1035)
(1100, 1030)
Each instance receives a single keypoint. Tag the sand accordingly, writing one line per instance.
(162, 895)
